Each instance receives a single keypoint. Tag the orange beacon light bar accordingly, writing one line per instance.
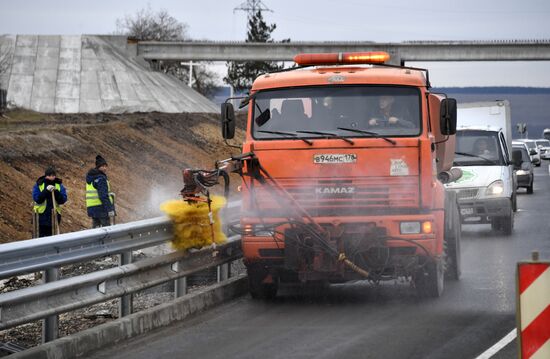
(375, 57)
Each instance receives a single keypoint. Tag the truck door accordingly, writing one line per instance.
(510, 168)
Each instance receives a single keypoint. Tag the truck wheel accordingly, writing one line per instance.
(530, 188)
(429, 280)
(514, 202)
(257, 288)
(452, 246)
(507, 223)
(495, 223)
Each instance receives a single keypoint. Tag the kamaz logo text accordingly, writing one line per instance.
(335, 190)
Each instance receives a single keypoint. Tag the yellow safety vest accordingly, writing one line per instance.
(92, 196)
(41, 207)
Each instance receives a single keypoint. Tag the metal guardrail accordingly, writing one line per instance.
(57, 296)
(49, 252)
(33, 303)
(41, 253)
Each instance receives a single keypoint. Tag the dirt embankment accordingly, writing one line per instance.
(145, 152)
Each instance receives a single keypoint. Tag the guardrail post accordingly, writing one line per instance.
(50, 325)
(223, 272)
(125, 305)
(180, 284)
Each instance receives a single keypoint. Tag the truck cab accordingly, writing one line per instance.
(346, 179)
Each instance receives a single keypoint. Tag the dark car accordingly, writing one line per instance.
(523, 167)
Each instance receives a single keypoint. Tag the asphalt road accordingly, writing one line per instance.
(364, 321)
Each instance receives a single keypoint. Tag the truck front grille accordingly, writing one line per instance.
(346, 195)
(468, 193)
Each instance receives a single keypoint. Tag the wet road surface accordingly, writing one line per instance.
(360, 320)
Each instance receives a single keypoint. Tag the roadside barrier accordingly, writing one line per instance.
(46, 301)
(533, 308)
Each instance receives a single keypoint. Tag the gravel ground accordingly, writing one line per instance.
(29, 335)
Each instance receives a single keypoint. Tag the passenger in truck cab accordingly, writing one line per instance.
(389, 116)
(293, 113)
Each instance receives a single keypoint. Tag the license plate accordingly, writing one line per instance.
(335, 158)
(466, 211)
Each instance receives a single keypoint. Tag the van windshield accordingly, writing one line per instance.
(344, 111)
(478, 148)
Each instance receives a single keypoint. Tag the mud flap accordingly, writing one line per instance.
(257, 286)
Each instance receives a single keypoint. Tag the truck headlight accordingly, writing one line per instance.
(409, 227)
(495, 189)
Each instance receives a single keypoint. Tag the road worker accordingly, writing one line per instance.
(99, 199)
(48, 194)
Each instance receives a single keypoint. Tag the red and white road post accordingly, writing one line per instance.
(533, 308)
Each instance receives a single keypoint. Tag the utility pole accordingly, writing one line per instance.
(251, 7)
(191, 64)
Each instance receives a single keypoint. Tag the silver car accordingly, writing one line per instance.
(544, 148)
(533, 150)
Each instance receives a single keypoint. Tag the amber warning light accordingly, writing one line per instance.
(376, 57)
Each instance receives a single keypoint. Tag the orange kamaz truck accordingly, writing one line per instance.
(343, 167)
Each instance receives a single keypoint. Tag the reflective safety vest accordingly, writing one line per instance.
(41, 207)
(92, 196)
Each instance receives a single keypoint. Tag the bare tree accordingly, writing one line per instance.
(146, 24)
(6, 55)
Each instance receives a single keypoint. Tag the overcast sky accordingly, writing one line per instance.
(323, 20)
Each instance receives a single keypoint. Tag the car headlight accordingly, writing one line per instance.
(495, 189)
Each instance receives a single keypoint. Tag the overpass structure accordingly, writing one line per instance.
(505, 50)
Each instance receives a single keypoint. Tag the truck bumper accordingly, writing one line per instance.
(524, 180)
(482, 210)
(379, 232)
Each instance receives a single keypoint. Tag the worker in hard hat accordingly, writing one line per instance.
(48, 194)
(99, 199)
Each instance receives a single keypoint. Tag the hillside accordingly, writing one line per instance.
(145, 151)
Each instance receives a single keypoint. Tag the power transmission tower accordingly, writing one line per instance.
(251, 7)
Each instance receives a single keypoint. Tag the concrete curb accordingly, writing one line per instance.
(88, 341)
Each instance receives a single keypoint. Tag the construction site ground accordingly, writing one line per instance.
(145, 152)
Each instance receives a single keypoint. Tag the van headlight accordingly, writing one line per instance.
(495, 189)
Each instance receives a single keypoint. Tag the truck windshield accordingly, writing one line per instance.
(478, 148)
(380, 110)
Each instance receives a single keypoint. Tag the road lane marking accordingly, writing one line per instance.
(499, 345)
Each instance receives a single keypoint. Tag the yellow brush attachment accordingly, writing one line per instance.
(192, 224)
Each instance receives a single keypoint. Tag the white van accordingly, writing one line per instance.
(487, 189)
